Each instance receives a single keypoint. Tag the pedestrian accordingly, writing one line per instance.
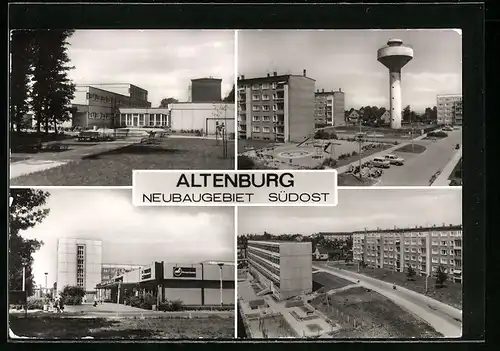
(56, 304)
(61, 303)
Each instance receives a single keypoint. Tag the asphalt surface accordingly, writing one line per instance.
(419, 168)
(443, 318)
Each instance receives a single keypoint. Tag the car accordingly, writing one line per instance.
(380, 162)
(395, 160)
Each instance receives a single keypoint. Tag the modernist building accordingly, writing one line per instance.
(206, 90)
(110, 270)
(449, 109)
(79, 264)
(422, 248)
(182, 116)
(98, 105)
(329, 108)
(336, 236)
(200, 284)
(284, 268)
(276, 107)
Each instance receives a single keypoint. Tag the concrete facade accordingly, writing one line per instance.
(206, 90)
(329, 108)
(79, 263)
(96, 107)
(423, 249)
(277, 107)
(449, 109)
(285, 268)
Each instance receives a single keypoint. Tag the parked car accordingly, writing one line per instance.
(395, 160)
(380, 162)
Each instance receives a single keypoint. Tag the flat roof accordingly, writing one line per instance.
(197, 79)
(285, 77)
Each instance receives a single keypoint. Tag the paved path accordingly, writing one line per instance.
(443, 318)
(442, 179)
(31, 166)
(419, 168)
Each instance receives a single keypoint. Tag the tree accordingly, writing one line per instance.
(52, 89)
(167, 101)
(72, 295)
(25, 212)
(441, 276)
(230, 96)
(410, 273)
(406, 114)
(20, 48)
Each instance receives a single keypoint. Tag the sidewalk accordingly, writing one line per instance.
(345, 168)
(442, 179)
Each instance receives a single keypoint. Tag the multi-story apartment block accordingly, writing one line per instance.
(283, 268)
(99, 104)
(329, 108)
(336, 236)
(277, 107)
(449, 109)
(422, 248)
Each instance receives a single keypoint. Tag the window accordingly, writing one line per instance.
(275, 118)
(256, 129)
(255, 108)
(407, 249)
(275, 131)
(265, 97)
(88, 96)
(265, 130)
(275, 107)
(413, 249)
(435, 234)
(255, 87)
(443, 252)
(255, 118)
(266, 118)
(435, 251)
(413, 258)
(265, 108)
(434, 243)
(435, 260)
(443, 243)
(255, 97)
(444, 260)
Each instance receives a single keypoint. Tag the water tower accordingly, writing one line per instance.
(394, 56)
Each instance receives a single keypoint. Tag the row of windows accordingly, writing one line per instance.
(264, 118)
(266, 97)
(266, 274)
(96, 115)
(264, 108)
(273, 85)
(257, 129)
(268, 247)
(408, 235)
(264, 264)
(264, 255)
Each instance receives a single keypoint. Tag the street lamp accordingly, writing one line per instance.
(220, 264)
(46, 274)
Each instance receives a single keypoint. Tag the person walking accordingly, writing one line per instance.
(61, 304)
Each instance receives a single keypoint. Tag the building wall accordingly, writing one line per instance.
(446, 109)
(212, 296)
(300, 108)
(188, 296)
(67, 263)
(295, 269)
(338, 108)
(201, 116)
(206, 90)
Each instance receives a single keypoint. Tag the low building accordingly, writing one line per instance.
(284, 268)
(321, 254)
(195, 284)
(110, 270)
(353, 117)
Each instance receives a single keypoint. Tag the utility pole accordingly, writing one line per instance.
(24, 278)
(220, 271)
(426, 278)
(46, 274)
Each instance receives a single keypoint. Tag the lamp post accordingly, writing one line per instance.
(220, 271)
(24, 278)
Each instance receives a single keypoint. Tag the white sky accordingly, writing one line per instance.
(357, 209)
(131, 235)
(160, 61)
(347, 59)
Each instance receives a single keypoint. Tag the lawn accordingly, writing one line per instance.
(323, 282)
(450, 294)
(18, 158)
(344, 179)
(114, 168)
(57, 327)
(381, 317)
(415, 148)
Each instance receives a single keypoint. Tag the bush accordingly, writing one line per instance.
(148, 300)
(439, 134)
(171, 306)
(72, 295)
(36, 303)
(245, 162)
(322, 134)
(72, 300)
(329, 162)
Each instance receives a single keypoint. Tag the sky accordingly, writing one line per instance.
(161, 61)
(131, 235)
(347, 59)
(357, 210)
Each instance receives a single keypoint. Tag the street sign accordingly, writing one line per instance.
(184, 272)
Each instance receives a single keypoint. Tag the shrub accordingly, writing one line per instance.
(245, 162)
(148, 300)
(36, 303)
(171, 306)
(72, 295)
(439, 134)
(329, 162)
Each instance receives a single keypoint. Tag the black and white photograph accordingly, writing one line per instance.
(367, 268)
(89, 106)
(382, 107)
(87, 264)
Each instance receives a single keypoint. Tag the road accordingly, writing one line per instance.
(443, 318)
(419, 168)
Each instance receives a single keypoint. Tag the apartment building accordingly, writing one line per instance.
(449, 109)
(283, 268)
(336, 236)
(329, 108)
(276, 107)
(422, 248)
(98, 105)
